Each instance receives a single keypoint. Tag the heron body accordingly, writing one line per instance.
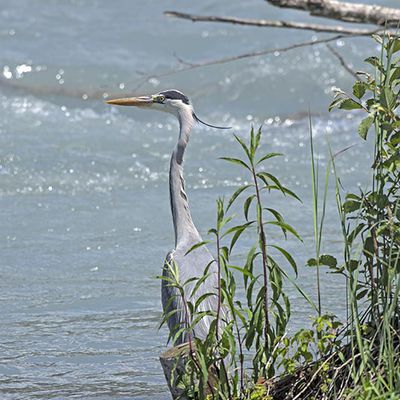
(192, 264)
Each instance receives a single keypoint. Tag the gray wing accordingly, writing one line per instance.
(192, 265)
(189, 266)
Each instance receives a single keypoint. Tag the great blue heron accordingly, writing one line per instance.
(194, 263)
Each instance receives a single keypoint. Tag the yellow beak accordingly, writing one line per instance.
(132, 101)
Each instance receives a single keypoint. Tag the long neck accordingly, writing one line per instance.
(183, 223)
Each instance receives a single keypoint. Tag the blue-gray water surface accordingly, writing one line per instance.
(84, 208)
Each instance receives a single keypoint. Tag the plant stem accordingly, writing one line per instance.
(263, 246)
(241, 359)
(219, 286)
(317, 234)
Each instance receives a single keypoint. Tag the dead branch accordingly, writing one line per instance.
(264, 52)
(268, 23)
(187, 66)
(344, 11)
(342, 61)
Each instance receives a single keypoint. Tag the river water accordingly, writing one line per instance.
(84, 208)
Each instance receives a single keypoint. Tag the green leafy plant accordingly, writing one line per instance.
(371, 228)
(258, 320)
(268, 307)
(252, 354)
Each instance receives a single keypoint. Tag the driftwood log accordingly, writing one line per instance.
(382, 17)
(333, 9)
(344, 11)
(266, 23)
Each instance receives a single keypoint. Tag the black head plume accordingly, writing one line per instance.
(212, 126)
(174, 94)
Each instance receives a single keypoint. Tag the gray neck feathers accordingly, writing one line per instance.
(183, 223)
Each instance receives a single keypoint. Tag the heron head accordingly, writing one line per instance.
(168, 100)
(172, 101)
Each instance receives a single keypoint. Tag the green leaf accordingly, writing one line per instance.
(201, 299)
(243, 144)
(362, 294)
(196, 246)
(288, 257)
(291, 194)
(213, 231)
(394, 76)
(236, 161)
(388, 98)
(374, 61)
(252, 142)
(200, 315)
(283, 189)
(200, 281)
(299, 289)
(335, 103)
(355, 232)
(236, 228)
(351, 206)
(359, 89)
(268, 156)
(371, 103)
(246, 206)
(251, 256)
(238, 231)
(286, 227)
(167, 316)
(369, 248)
(277, 215)
(250, 334)
(266, 176)
(258, 137)
(242, 270)
(352, 196)
(328, 260)
(224, 221)
(393, 46)
(324, 259)
(352, 265)
(349, 104)
(188, 282)
(236, 195)
(312, 262)
(364, 126)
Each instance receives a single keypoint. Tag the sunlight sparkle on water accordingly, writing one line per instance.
(22, 69)
(6, 72)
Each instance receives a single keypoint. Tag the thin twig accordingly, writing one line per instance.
(342, 61)
(268, 23)
(320, 368)
(190, 66)
(182, 61)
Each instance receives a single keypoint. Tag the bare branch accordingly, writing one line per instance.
(187, 66)
(342, 61)
(182, 61)
(264, 52)
(268, 23)
(344, 11)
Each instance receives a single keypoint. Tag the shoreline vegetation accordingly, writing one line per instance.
(251, 355)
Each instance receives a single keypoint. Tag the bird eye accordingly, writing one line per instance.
(161, 98)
